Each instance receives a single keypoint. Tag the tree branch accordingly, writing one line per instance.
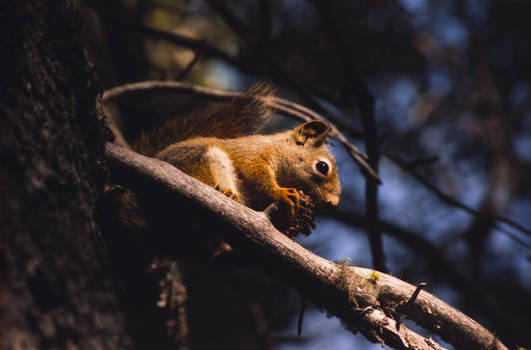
(477, 293)
(186, 41)
(411, 169)
(189, 66)
(285, 107)
(235, 24)
(361, 298)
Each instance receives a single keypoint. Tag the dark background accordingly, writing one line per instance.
(437, 92)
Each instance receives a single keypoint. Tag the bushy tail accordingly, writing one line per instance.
(243, 115)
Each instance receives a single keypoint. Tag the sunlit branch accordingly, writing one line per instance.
(475, 292)
(361, 298)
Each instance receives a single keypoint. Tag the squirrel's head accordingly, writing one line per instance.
(313, 169)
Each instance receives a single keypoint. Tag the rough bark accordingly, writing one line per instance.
(55, 284)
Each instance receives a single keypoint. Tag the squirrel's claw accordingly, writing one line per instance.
(229, 193)
(232, 195)
(289, 196)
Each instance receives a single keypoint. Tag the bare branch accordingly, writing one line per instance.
(415, 294)
(446, 198)
(360, 297)
(189, 66)
(265, 22)
(285, 107)
(235, 24)
(186, 41)
(477, 293)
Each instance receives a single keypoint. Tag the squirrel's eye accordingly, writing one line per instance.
(322, 167)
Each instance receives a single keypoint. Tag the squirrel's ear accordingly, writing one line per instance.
(313, 133)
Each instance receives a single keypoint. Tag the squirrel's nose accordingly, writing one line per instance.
(332, 200)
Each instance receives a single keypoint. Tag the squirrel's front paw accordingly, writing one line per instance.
(289, 196)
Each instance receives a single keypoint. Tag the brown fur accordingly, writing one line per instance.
(267, 168)
(244, 115)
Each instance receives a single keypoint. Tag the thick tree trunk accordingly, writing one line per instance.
(55, 284)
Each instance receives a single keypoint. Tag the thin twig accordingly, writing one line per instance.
(407, 305)
(415, 294)
(265, 22)
(301, 317)
(446, 198)
(189, 67)
(283, 106)
(238, 26)
(424, 161)
(193, 43)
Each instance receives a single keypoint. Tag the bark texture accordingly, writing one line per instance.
(55, 290)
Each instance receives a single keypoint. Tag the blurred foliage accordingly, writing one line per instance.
(451, 82)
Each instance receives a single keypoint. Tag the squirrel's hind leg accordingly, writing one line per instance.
(222, 174)
(207, 163)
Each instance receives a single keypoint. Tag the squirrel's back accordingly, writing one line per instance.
(243, 115)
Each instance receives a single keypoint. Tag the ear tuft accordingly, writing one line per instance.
(313, 133)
